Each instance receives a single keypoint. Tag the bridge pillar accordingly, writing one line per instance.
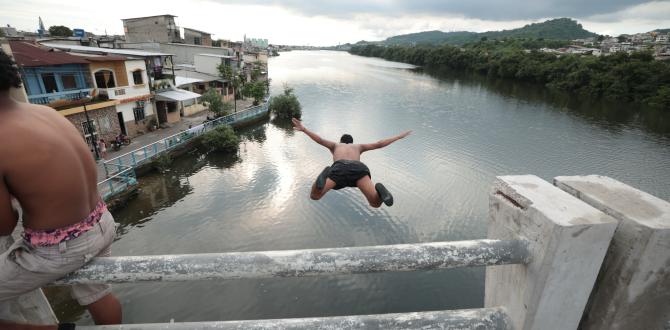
(633, 287)
(567, 241)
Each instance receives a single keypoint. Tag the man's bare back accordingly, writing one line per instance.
(347, 169)
(46, 165)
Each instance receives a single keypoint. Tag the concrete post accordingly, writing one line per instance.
(633, 287)
(567, 242)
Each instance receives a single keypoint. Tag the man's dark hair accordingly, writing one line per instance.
(346, 138)
(9, 73)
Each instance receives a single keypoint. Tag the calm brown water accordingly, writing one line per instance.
(467, 130)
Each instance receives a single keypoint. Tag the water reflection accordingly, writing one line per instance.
(606, 114)
(284, 124)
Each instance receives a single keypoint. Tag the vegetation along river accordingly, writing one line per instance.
(467, 130)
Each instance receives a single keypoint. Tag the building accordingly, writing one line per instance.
(200, 83)
(662, 38)
(160, 28)
(208, 63)
(256, 43)
(182, 53)
(196, 37)
(9, 31)
(63, 81)
(126, 80)
(160, 74)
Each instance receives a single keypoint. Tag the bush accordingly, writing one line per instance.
(212, 99)
(222, 138)
(163, 162)
(286, 106)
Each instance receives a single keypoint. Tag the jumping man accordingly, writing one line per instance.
(347, 169)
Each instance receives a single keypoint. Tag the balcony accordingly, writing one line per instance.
(61, 99)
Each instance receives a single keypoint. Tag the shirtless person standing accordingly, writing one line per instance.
(47, 167)
(347, 169)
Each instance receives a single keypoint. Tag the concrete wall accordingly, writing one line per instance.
(567, 241)
(105, 118)
(207, 64)
(156, 29)
(191, 35)
(633, 289)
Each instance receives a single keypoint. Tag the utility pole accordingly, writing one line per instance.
(91, 130)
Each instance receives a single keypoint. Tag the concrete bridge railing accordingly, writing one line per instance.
(543, 255)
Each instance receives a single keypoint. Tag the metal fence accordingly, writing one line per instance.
(117, 183)
(120, 170)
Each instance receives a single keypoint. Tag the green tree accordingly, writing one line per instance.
(255, 89)
(212, 99)
(222, 138)
(286, 106)
(60, 31)
(226, 72)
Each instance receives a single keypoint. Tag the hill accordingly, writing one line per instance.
(559, 29)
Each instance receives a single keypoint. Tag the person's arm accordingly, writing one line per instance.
(8, 215)
(297, 125)
(383, 143)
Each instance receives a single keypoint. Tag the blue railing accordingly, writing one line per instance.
(128, 161)
(71, 95)
(117, 183)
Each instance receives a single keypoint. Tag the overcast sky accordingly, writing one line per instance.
(332, 22)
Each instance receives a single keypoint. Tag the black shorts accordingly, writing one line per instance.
(346, 173)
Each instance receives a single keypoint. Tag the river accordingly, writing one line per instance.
(466, 131)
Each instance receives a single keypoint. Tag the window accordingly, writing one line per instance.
(49, 81)
(69, 81)
(104, 79)
(137, 77)
(197, 41)
(138, 111)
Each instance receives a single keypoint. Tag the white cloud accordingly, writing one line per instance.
(287, 25)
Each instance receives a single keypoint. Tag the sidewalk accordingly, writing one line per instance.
(151, 137)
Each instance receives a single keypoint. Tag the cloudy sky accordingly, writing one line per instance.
(331, 22)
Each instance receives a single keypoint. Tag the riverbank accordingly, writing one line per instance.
(619, 77)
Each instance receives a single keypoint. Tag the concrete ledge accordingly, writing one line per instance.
(567, 242)
(633, 289)
(298, 263)
(480, 319)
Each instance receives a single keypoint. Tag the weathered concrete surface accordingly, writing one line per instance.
(633, 287)
(291, 263)
(480, 319)
(31, 307)
(567, 242)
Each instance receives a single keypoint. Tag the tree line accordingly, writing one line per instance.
(635, 77)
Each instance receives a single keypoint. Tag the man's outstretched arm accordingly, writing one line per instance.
(383, 143)
(297, 125)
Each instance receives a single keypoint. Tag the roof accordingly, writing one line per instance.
(128, 19)
(97, 50)
(100, 58)
(176, 95)
(181, 81)
(184, 77)
(217, 55)
(29, 54)
(194, 30)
